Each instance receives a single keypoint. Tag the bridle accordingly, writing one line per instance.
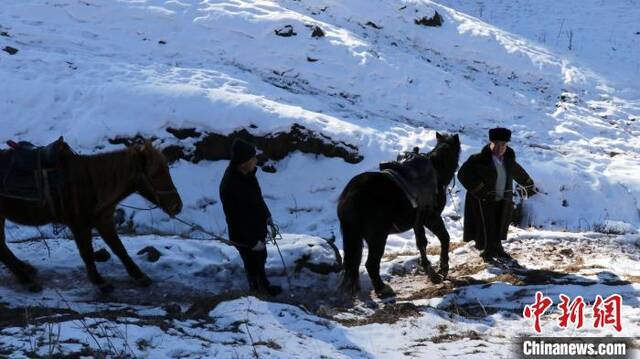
(157, 194)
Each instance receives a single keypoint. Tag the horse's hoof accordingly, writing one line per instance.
(144, 281)
(350, 286)
(385, 292)
(29, 269)
(34, 287)
(443, 272)
(105, 288)
(434, 277)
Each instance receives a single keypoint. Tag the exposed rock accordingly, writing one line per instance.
(373, 25)
(173, 153)
(285, 31)
(10, 50)
(435, 20)
(130, 141)
(321, 268)
(153, 255)
(273, 146)
(183, 133)
(102, 255)
(317, 31)
(311, 59)
(172, 309)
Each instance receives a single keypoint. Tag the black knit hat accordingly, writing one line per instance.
(241, 151)
(499, 134)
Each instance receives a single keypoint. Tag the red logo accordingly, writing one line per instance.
(571, 313)
(536, 310)
(608, 312)
(605, 311)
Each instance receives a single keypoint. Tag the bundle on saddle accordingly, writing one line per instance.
(414, 173)
(32, 172)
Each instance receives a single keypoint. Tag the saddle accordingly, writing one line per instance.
(414, 173)
(32, 172)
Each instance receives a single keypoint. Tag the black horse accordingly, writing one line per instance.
(372, 206)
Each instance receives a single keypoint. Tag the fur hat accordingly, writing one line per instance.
(241, 151)
(499, 134)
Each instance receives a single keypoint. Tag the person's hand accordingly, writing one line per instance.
(484, 195)
(533, 190)
(258, 247)
(273, 229)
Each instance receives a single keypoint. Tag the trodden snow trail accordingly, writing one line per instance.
(197, 304)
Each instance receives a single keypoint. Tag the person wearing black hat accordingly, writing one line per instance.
(488, 178)
(247, 214)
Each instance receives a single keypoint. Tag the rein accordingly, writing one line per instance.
(455, 208)
(275, 233)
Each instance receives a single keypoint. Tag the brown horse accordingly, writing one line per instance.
(93, 186)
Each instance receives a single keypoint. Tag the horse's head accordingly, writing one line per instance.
(154, 181)
(450, 144)
(446, 155)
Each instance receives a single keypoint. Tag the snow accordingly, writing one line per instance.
(563, 76)
(477, 319)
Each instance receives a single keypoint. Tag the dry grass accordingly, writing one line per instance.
(389, 314)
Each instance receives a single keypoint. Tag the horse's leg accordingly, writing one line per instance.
(352, 246)
(82, 236)
(23, 271)
(109, 234)
(421, 243)
(377, 240)
(437, 227)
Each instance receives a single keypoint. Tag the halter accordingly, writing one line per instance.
(156, 193)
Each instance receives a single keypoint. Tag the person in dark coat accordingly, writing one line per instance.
(247, 214)
(488, 178)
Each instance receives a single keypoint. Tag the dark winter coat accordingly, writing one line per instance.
(482, 217)
(244, 208)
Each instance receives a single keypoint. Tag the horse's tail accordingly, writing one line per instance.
(352, 237)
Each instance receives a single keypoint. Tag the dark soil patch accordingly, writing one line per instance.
(454, 337)
(389, 314)
(273, 146)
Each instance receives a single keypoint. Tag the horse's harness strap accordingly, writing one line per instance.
(156, 193)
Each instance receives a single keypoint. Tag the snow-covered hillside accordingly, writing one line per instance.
(93, 71)
(562, 75)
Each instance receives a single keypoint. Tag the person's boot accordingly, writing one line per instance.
(253, 283)
(502, 254)
(487, 256)
(274, 290)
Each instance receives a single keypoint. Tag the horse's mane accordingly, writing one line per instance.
(101, 171)
(444, 157)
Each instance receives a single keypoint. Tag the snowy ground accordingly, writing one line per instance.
(198, 306)
(562, 75)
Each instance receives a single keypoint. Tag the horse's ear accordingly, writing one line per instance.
(457, 137)
(439, 136)
(141, 154)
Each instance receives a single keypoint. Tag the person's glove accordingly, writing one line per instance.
(258, 247)
(533, 190)
(272, 227)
